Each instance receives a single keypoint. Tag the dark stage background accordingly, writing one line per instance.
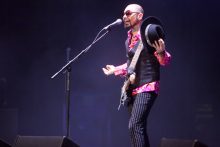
(34, 36)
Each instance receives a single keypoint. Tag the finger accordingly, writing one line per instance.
(161, 44)
(156, 43)
(161, 40)
(105, 71)
(108, 66)
(132, 78)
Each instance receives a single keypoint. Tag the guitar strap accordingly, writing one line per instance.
(135, 58)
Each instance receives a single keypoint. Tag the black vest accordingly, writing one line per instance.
(147, 68)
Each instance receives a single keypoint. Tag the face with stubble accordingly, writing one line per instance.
(132, 15)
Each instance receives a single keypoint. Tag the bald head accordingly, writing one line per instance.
(134, 8)
(133, 15)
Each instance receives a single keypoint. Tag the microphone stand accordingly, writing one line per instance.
(67, 68)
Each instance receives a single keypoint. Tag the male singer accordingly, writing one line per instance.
(145, 78)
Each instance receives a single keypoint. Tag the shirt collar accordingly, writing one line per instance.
(137, 36)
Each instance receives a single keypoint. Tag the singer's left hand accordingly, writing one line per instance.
(159, 46)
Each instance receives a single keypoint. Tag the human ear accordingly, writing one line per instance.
(140, 16)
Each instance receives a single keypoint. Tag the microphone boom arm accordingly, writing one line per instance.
(83, 51)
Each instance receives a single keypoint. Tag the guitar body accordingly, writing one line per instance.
(126, 97)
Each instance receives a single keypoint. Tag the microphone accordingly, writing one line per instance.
(117, 22)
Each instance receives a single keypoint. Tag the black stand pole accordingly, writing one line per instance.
(68, 70)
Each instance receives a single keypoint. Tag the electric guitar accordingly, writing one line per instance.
(124, 90)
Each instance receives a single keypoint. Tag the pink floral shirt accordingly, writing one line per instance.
(121, 70)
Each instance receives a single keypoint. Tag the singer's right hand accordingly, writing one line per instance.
(109, 69)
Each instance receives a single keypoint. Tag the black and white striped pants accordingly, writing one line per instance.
(139, 111)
